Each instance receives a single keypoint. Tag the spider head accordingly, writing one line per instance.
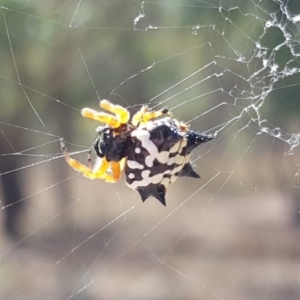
(111, 144)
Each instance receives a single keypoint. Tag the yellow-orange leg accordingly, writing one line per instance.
(122, 163)
(116, 172)
(100, 117)
(99, 171)
(137, 117)
(102, 166)
(143, 115)
(116, 168)
(154, 114)
(121, 113)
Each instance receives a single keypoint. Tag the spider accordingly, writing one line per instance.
(153, 151)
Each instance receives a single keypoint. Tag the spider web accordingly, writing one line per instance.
(227, 68)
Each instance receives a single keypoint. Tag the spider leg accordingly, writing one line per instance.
(154, 114)
(143, 115)
(137, 117)
(99, 170)
(100, 117)
(116, 167)
(122, 163)
(116, 172)
(121, 113)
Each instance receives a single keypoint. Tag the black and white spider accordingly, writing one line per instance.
(154, 151)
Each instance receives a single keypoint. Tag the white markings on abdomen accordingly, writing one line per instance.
(134, 165)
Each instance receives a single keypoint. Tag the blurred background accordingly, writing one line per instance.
(227, 68)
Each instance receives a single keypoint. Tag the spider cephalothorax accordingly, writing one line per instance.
(112, 144)
(153, 151)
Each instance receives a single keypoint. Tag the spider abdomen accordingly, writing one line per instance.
(159, 154)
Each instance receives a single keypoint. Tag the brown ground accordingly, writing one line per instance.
(210, 247)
